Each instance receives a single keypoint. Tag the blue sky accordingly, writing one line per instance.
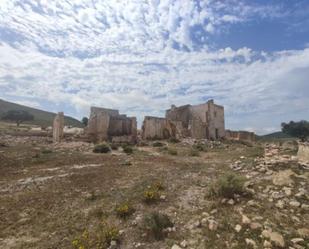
(141, 56)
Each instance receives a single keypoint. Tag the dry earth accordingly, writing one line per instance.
(50, 194)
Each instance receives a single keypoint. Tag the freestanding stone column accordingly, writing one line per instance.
(58, 126)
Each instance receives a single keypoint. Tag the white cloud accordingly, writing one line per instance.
(120, 54)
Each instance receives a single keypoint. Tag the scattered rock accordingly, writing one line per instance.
(245, 220)
(184, 244)
(213, 225)
(176, 247)
(238, 228)
(255, 226)
(303, 232)
(251, 243)
(283, 178)
(297, 240)
(274, 237)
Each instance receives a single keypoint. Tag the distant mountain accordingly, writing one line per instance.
(42, 118)
(276, 135)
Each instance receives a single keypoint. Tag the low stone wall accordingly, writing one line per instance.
(303, 152)
(240, 135)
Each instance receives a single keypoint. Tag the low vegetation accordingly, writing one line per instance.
(194, 152)
(114, 146)
(100, 238)
(128, 149)
(102, 148)
(151, 195)
(157, 144)
(172, 151)
(155, 224)
(124, 210)
(173, 140)
(228, 185)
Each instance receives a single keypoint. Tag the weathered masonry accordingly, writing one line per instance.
(108, 125)
(157, 128)
(204, 121)
(58, 126)
(240, 135)
(198, 121)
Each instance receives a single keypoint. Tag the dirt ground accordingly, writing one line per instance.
(50, 194)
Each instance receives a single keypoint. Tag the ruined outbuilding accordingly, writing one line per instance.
(203, 121)
(240, 135)
(108, 125)
(58, 126)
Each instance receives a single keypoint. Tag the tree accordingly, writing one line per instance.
(296, 129)
(18, 116)
(85, 121)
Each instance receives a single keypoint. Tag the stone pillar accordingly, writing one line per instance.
(303, 152)
(58, 126)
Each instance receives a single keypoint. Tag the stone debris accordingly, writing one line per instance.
(274, 237)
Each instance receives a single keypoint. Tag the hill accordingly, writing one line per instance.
(42, 118)
(275, 135)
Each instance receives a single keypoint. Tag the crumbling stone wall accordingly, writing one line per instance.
(157, 128)
(240, 135)
(199, 121)
(58, 126)
(106, 124)
(303, 152)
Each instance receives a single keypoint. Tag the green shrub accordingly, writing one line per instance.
(157, 144)
(155, 223)
(194, 152)
(46, 151)
(158, 185)
(174, 140)
(151, 195)
(172, 152)
(199, 147)
(127, 149)
(82, 242)
(228, 185)
(106, 234)
(102, 148)
(124, 210)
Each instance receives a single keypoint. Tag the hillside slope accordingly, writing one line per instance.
(276, 136)
(42, 118)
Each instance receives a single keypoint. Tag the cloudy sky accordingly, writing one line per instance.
(141, 56)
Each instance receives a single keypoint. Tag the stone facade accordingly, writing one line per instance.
(157, 128)
(108, 125)
(204, 121)
(303, 152)
(240, 135)
(58, 126)
(198, 121)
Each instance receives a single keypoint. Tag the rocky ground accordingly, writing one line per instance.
(51, 194)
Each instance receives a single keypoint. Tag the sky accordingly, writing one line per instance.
(141, 56)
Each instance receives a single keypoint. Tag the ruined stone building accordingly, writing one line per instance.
(198, 121)
(203, 121)
(108, 125)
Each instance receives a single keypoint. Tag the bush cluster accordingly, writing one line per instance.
(228, 186)
(155, 223)
(102, 148)
(124, 210)
(157, 144)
